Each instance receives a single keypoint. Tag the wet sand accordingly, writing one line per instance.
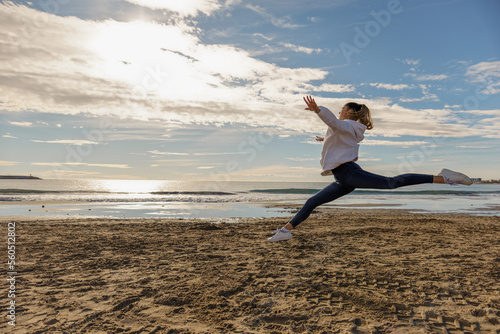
(345, 271)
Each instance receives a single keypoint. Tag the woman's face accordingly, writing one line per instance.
(344, 113)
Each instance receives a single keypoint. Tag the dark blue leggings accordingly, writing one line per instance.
(350, 176)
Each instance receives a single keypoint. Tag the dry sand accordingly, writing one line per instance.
(345, 271)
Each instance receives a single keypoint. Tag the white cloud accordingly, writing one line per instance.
(267, 38)
(391, 86)
(298, 48)
(218, 153)
(426, 95)
(156, 152)
(430, 77)
(418, 99)
(474, 146)
(278, 22)
(492, 89)
(181, 7)
(148, 71)
(397, 120)
(482, 70)
(457, 64)
(303, 159)
(79, 174)
(414, 69)
(25, 124)
(79, 164)
(369, 159)
(487, 74)
(67, 142)
(8, 163)
(410, 61)
(390, 121)
(275, 172)
(8, 135)
(312, 142)
(413, 75)
(138, 70)
(372, 142)
(333, 88)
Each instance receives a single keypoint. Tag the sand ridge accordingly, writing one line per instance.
(345, 271)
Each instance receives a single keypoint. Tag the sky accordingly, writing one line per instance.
(213, 89)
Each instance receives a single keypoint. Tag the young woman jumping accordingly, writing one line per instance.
(340, 151)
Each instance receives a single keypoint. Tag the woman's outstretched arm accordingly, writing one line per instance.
(326, 115)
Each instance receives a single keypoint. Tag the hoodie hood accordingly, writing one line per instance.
(358, 129)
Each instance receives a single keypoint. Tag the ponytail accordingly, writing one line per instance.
(361, 113)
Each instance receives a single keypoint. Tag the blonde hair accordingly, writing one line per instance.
(361, 113)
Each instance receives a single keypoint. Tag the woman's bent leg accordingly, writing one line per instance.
(329, 193)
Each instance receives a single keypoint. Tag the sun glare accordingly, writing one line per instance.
(127, 50)
(147, 55)
(170, 62)
(130, 41)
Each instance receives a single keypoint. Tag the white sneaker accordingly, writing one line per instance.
(280, 235)
(455, 178)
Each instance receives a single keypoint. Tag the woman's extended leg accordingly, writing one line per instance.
(360, 178)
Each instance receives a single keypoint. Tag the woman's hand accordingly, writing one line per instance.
(318, 138)
(311, 104)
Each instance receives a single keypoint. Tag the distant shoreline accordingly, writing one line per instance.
(18, 177)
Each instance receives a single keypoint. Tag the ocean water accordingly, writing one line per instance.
(210, 199)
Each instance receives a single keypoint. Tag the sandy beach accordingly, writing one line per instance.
(345, 271)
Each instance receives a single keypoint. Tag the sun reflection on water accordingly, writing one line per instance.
(133, 186)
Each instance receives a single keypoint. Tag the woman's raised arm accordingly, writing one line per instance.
(311, 104)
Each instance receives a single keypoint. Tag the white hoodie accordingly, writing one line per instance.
(341, 142)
